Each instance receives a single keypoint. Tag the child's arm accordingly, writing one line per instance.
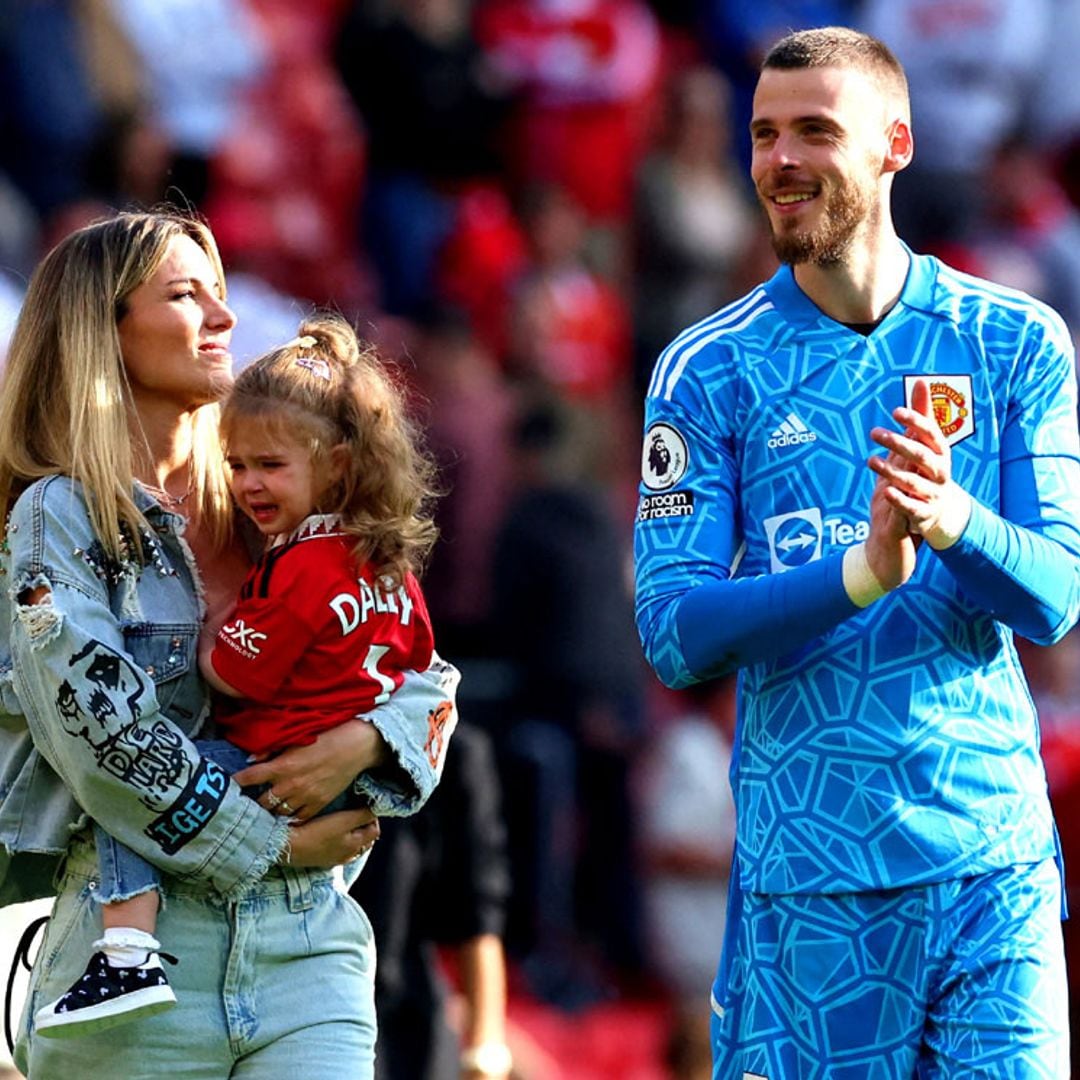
(207, 643)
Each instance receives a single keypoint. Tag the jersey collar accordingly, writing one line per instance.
(315, 525)
(798, 309)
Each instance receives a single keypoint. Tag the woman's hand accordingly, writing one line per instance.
(333, 839)
(303, 779)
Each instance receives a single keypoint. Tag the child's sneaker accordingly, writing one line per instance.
(106, 996)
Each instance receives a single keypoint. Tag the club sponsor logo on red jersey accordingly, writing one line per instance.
(245, 639)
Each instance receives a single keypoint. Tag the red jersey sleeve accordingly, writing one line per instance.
(270, 630)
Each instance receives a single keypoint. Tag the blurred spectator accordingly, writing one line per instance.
(973, 70)
(1029, 235)
(569, 327)
(586, 70)
(197, 61)
(51, 112)
(432, 113)
(694, 217)
(484, 255)
(570, 331)
(571, 729)
(131, 161)
(688, 835)
(1053, 675)
(285, 185)
(440, 878)
(469, 412)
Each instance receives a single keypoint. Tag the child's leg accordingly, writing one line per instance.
(124, 980)
(129, 894)
(139, 912)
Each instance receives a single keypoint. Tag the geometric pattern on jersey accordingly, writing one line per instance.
(315, 639)
(964, 978)
(901, 745)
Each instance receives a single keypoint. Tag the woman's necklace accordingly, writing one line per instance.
(169, 502)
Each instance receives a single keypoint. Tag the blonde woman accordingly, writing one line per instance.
(120, 541)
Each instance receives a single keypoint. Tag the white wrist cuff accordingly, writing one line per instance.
(862, 587)
(953, 520)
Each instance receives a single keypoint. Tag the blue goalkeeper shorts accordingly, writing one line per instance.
(963, 978)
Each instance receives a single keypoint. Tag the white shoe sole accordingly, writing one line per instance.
(134, 1006)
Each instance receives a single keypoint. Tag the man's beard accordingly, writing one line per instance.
(846, 210)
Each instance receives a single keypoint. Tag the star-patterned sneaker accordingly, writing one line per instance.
(106, 996)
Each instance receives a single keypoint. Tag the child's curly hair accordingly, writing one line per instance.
(326, 388)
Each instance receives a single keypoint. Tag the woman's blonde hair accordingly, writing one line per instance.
(65, 402)
(325, 390)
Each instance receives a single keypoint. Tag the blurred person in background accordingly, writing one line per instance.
(195, 64)
(52, 111)
(584, 74)
(974, 70)
(694, 216)
(687, 837)
(437, 884)
(570, 331)
(431, 110)
(1028, 235)
(571, 724)
(469, 408)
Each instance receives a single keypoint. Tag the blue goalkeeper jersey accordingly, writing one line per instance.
(896, 743)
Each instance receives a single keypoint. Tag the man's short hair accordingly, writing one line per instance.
(841, 47)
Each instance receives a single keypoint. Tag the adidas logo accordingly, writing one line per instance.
(791, 432)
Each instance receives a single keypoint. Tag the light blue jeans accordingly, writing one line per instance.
(277, 983)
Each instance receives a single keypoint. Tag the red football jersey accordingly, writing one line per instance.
(315, 640)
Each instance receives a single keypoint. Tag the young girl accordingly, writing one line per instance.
(324, 461)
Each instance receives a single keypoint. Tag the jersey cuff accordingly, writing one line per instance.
(862, 587)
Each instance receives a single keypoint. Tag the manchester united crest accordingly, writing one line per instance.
(950, 396)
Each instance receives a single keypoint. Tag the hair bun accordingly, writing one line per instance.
(332, 335)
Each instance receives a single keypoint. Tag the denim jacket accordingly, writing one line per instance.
(100, 697)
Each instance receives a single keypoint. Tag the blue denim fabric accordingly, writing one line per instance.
(276, 982)
(99, 700)
(102, 678)
(119, 750)
(124, 874)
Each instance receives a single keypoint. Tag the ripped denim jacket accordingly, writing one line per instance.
(100, 697)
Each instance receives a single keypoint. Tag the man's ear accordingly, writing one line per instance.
(901, 147)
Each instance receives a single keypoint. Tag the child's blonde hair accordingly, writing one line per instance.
(324, 389)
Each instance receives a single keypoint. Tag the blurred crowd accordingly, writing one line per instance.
(521, 202)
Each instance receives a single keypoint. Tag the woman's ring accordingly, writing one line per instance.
(273, 800)
(286, 807)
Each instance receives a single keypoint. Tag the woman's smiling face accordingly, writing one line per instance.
(175, 330)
